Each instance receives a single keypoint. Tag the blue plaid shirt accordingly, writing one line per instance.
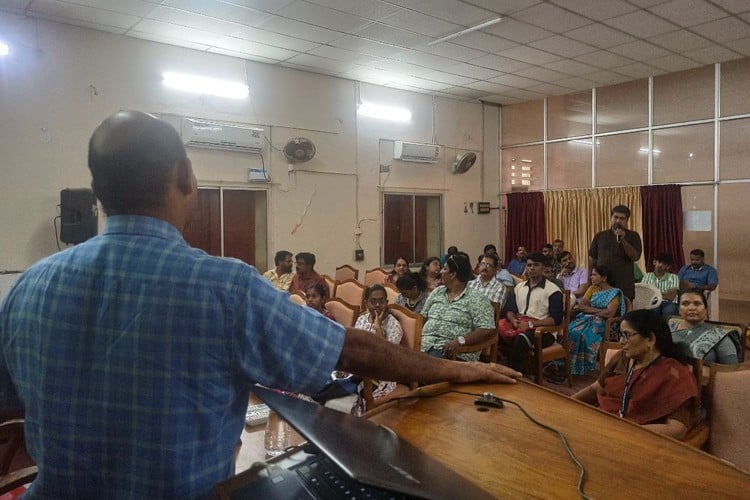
(133, 354)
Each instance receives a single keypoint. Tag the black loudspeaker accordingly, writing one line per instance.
(78, 215)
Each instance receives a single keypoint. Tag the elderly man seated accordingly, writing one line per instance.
(486, 283)
(456, 315)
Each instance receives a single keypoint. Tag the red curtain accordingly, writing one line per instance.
(525, 224)
(662, 223)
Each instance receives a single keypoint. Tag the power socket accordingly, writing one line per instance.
(359, 254)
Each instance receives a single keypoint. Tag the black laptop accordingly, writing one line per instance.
(352, 457)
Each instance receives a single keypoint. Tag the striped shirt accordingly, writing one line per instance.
(133, 354)
(667, 282)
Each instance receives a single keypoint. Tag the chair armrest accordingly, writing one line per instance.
(490, 344)
(13, 480)
(367, 392)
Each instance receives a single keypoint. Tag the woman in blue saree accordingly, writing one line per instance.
(585, 332)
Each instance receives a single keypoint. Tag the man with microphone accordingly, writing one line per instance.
(617, 248)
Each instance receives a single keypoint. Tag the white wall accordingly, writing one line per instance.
(63, 80)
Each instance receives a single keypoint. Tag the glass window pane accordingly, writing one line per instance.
(734, 150)
(622, 160)
(523, 168)
(622, 107)
(735, 92)
(569, 164)
(523, 122)
(684, 154)
(684, 96)
(569, 115)
(699, 197)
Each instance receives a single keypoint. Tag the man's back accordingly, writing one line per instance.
(128, 352)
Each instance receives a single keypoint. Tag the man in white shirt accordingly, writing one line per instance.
(281, 276)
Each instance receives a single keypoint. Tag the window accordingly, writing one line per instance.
(411, 227)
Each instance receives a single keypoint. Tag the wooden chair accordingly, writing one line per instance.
(375, 276)
(331, 285)
(16, 468)
(489, 347)
(558, 350)
(298, 298)
(698, 435)
(351, 291)
(346, 272)
(344, 313)
(411, 324)
(646, 296)
(391, 292)
(729, 405)
(611, 328)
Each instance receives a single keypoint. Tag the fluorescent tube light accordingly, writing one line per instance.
(4, 49)
(204, 85)
(467, 30)
(384, 112)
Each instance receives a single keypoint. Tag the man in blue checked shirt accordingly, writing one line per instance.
(133, 353)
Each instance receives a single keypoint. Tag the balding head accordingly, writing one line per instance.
(132, 157)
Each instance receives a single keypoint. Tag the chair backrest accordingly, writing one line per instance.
(331, 285)
(375, 276)
(351, 291)
(298, 298)
(607, 351)
(646, 296)
(391, 292)
(346, 272)
(344, 314)
(729, 401)
(411, 324)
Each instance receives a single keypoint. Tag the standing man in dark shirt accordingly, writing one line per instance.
(617, 248)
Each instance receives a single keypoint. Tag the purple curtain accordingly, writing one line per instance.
(662, 223)
(525, 223)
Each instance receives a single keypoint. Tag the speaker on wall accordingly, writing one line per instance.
(78, 215)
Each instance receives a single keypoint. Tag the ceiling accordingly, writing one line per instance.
(539, 48)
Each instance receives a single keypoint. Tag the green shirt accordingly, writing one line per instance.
(446, 319)
(667, 282)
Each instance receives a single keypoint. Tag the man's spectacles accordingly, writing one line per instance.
(486, 264)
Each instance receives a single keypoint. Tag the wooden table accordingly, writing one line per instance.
(508, 455)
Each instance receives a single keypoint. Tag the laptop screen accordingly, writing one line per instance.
(368, 452)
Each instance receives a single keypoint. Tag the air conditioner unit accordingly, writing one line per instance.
(412, 151)
(206, 134)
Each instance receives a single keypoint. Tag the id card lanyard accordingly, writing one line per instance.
(628, 386)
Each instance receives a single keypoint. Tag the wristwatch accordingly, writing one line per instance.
(461, 340)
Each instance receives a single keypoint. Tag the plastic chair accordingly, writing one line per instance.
(646, 296)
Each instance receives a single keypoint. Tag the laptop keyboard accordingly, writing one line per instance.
(327, 481)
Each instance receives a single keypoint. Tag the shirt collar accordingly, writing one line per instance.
(141, 225)
(541, 284)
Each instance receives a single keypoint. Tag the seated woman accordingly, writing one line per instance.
(601, 301)
(316, 296)
(708, 342)
(430, 273)
(413, 292)
(381, 323)
(400, 268)
(646, 381)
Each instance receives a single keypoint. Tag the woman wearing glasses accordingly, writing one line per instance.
(647, 381)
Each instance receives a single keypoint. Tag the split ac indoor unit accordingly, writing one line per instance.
(206, 134)
(412, 151)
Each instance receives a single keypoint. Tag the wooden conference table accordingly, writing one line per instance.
(511, 457)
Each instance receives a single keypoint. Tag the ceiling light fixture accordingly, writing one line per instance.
(467, 30)
(204, 85)
(384, 112)
(4, 49)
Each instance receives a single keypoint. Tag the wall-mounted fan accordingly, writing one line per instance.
(464, 162)
(299, 150)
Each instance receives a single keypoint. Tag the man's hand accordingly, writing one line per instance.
(449, 347)
(491, 373)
